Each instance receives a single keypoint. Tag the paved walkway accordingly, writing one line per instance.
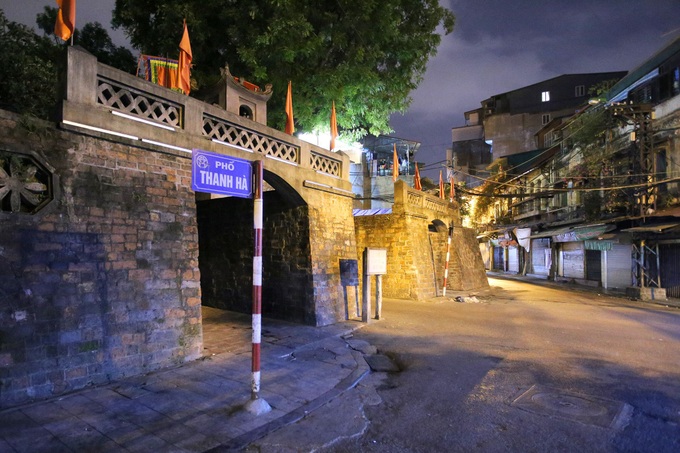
(198, 406)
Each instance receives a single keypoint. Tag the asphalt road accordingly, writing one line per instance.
(526, 368)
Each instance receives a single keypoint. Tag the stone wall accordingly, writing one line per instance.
(415, 236)
(104, 281)
(331, 233)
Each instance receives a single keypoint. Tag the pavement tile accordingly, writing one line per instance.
(126, 433)
(106, 423)
(5, 447)
(130, 390)
(35, 439)
(198, 442)
(195, 407)
(103, 397)
(13, 421)
(215, 425)
(75, 404)
(46, 413)
(77, 434)
(149, 443)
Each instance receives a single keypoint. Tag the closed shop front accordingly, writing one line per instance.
(618, 266)
(513, 259)
(499, 258)
(571, 260)
(669, 255)
(541, 256)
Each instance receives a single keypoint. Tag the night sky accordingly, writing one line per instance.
(496, 46)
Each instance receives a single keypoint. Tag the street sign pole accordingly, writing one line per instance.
(224, 175)
(257, 405)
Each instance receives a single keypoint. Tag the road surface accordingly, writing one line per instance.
(520, 367)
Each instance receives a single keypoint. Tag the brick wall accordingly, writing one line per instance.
(331, 232)
(104, 282)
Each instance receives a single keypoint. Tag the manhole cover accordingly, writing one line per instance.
(583, 408)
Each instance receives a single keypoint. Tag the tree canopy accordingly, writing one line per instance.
(94, 38)
(28, 72)
(30, 63)
(366, 56)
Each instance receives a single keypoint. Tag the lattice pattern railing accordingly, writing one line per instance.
(235, 135)
(435, 206)
(138, 103)
(325, 164)
(414, 199)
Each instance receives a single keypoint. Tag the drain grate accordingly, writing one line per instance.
(582, 408)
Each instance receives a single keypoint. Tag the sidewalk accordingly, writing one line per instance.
(198, 406)
(613, 292)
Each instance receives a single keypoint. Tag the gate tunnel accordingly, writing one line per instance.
(225, 236)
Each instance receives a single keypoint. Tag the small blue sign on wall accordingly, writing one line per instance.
(220, 174)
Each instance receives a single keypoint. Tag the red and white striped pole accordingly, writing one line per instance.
(448, 255)
(256, 404)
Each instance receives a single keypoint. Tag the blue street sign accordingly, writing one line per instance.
(220, 174)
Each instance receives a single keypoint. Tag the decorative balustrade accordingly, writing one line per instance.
(422, 204)
(141, 104)
(105, 100)
(227, 132)
(325, 164)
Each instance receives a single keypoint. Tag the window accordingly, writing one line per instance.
(580, 91)
(545, 119)
(545, 96)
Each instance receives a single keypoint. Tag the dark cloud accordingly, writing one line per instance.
(501, 45)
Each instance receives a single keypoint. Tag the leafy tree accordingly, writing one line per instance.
(366, 56)
(94, 38)
(28, 74)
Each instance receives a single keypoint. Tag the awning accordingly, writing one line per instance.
(486, 234)
(583, 233)
(662, 228)
(575, 233)
(548, 233)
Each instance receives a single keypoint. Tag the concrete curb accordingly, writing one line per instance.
(239, 443)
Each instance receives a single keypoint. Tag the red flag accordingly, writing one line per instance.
(290, 124)
(441, 185)
(395, 165)
(416, 180)
(334, 127)
(66, 19)
(452, 195)
(185, 57)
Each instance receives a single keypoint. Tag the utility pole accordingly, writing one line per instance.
(643, 163)
(645, 270)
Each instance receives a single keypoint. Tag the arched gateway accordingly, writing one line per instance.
(108, 254)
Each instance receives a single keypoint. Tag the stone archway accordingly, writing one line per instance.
(225, 231)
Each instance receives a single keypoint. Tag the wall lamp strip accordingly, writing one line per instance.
(99, 129)
(165, 145)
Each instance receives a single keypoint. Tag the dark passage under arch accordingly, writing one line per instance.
(225, 231)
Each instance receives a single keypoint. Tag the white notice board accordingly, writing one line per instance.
(376, 261)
